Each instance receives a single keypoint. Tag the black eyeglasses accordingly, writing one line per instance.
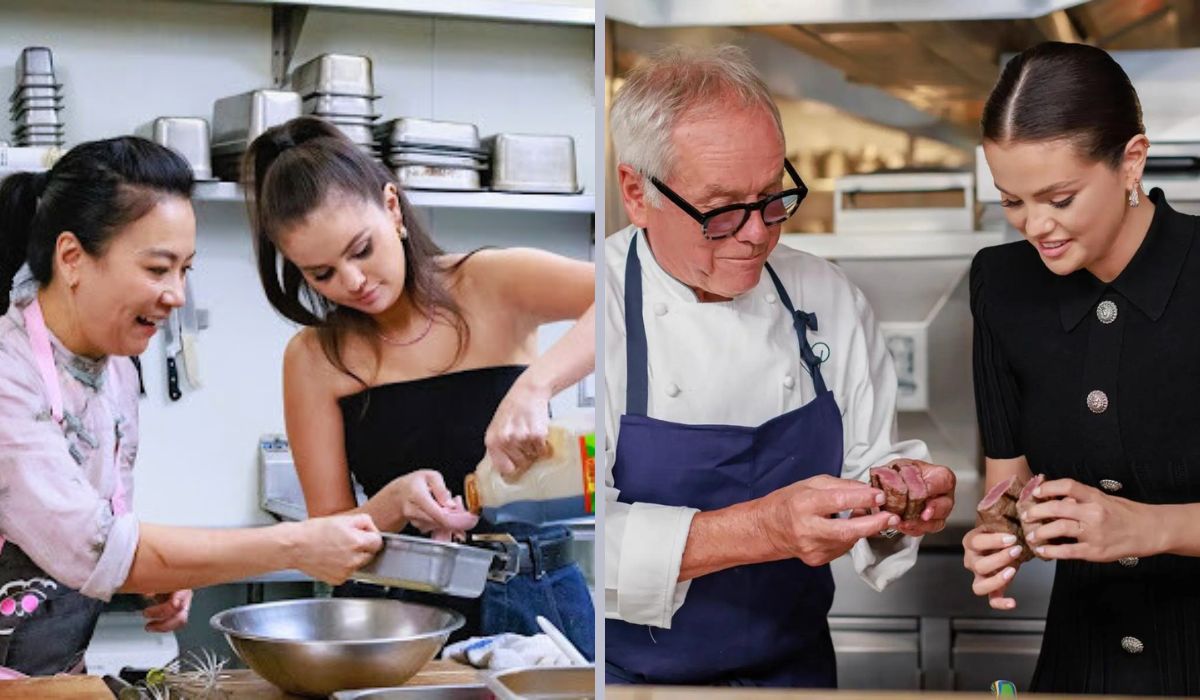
(726, 221)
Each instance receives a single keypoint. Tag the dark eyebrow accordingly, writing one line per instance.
(164, 253)
(345, 251)
(1044, 190)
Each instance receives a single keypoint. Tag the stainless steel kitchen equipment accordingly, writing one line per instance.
(340, 105)
(533, 163)
(35, 102)
(410, 131)
(423, 177)
(279, 488)
(900, 202)
(318, 646)
(334, 74)
(422, 564)
(187, 136)
(239, 119)
(439, 692)
(544, 683)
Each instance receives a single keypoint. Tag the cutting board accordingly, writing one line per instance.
(56, 688)
(239, 684)
(647, 693)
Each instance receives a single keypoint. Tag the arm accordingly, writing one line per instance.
(171, 558)
(519, 279)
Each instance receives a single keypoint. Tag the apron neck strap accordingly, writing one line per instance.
(636, 356)
(803, 322)
(43, 356)
(637, 362)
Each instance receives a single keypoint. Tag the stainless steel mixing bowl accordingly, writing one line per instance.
(318, 645)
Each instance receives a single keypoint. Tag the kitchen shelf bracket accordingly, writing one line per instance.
(287, 21)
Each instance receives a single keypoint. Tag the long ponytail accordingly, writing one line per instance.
(18, 203)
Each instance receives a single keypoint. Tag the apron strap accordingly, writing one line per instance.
(43, 357)
(637, 362)
(803, 322)
(636, 358)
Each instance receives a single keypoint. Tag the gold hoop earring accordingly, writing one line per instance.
(1134, 200)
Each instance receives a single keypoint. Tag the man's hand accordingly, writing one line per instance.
(941, 482)
(800, 520)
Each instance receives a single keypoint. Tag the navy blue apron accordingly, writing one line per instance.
(760, 624)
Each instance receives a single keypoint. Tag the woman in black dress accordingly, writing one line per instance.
(414, 362)
(1086, 370)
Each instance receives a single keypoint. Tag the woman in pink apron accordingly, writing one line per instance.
(96, 251)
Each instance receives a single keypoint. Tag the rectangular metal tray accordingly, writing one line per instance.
(339, 104)
(436, 161)
(423, 177)
(533, 163)
(188, 136)
(334, 74)
(442, 692)
(544, 683)
(40, 92)
(244, 117)
(411, 131)
(419, 563)
(35, 60)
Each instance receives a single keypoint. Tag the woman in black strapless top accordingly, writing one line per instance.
(414, 363)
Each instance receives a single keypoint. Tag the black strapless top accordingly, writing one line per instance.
(433, 423)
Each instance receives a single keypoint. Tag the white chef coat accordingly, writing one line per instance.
(738, 363)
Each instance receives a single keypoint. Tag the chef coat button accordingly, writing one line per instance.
(1128, 561)
(770, 298)
(1111, 485)
(672, 390)
(660, 309)
(1106, 312)
(1097, 401)
(1133, 645)
(789, 381)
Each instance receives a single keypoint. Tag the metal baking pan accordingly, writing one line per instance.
(187, 136)
(423, 177)
(421, 564)
(40, 130)
(42, 80)
(340, 104)
(35, 92)
(357, 133)
(25, 105)
(334, 74)
(533, 163)
(438, 161)
(37, 117)
(244, 117)
(352, 120)
(428, 132)
(544, 683)
(35, 60)
(437, 692)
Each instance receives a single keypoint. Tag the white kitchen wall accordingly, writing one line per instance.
(124, 63)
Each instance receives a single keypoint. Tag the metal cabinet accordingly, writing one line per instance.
(877, 652)
(989, 650)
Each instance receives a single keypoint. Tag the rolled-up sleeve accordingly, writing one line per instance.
(48, 506)
(871, 439)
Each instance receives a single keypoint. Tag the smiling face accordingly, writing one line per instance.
(726, 156)
(121, 296)
(350, 251)
(1074, 210)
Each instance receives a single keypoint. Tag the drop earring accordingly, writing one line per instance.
(1134, 200)
(403, 231)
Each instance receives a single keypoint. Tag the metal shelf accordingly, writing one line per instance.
(867, 246)
(569, 203)
(530, 11)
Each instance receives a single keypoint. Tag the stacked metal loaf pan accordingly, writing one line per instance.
(239, 119)
(340, 89)
(35, 104)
